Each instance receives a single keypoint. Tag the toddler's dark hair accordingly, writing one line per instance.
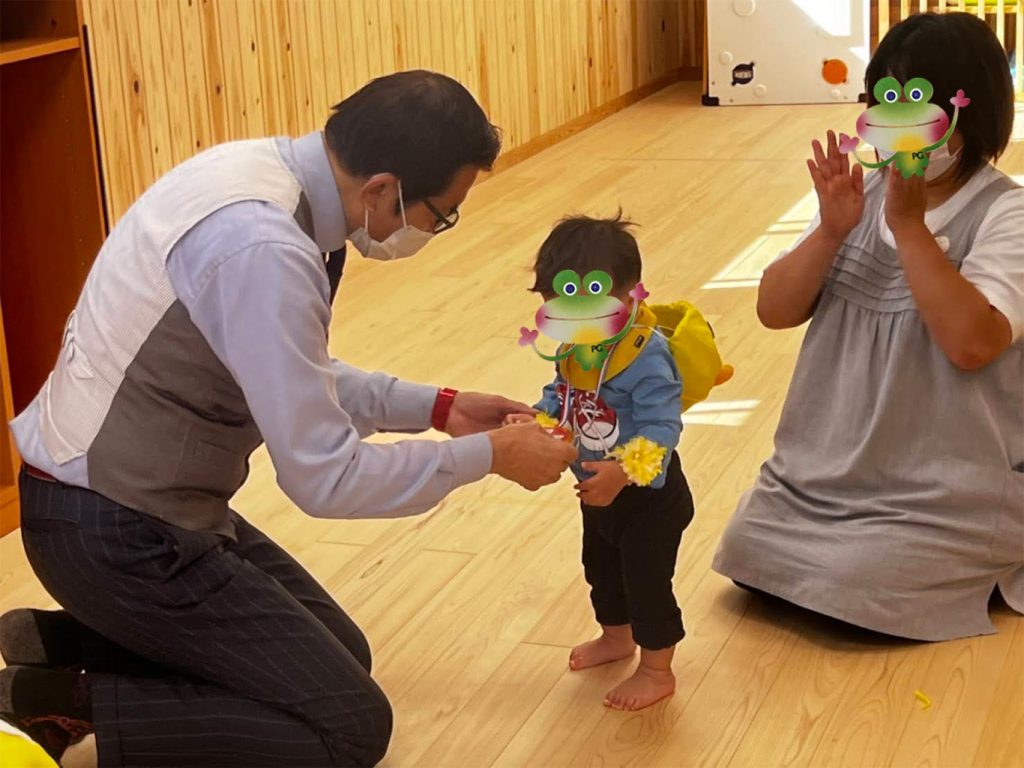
(954, 51)
(583, 243)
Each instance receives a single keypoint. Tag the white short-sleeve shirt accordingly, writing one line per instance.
(995, 263)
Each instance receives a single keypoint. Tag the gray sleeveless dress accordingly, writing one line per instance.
(895, 496)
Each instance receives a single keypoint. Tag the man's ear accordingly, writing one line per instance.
(380, 191)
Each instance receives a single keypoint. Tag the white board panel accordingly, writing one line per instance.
(787, 51)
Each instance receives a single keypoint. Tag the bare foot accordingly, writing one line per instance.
(614, 643)
(645, 687)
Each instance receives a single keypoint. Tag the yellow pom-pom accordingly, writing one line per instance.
(546, 421)
(640, 459)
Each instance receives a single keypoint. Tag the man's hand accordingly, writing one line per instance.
(519, 418)
(474, 412)
(601, 489)
(529, 456)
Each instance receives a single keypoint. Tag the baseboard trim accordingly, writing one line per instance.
(574, 126)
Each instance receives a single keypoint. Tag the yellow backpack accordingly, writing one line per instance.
(692, 344)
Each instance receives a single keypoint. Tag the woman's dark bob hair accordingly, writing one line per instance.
(954, 51)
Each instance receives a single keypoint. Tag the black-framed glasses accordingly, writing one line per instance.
(443, 223)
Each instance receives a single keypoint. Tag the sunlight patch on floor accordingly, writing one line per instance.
(744, 271)
(723, 413)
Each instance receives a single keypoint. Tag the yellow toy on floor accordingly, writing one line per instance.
(17, 750)
(692, 344)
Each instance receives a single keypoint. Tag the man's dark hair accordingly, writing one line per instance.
(953, 51)
(421, 126)
(583, 244)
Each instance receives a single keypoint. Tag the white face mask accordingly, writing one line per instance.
(939, 161)
(401, 244)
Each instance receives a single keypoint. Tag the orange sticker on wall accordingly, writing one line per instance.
(834, 71)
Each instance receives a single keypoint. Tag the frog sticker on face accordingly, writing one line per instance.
(584, 317)
(904, 126)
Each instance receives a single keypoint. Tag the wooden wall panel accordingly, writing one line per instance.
(173, 77)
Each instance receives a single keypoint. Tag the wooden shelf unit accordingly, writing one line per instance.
(13, 51)
(9, 463)
(51, 210)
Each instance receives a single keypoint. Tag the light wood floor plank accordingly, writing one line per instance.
(1002, 741)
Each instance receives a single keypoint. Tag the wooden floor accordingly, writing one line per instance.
(472, 609)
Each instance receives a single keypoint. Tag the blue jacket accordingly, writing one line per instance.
(643, 400)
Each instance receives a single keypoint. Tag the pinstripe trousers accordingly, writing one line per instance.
(218, 652)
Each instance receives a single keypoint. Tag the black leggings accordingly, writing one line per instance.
(629, 557)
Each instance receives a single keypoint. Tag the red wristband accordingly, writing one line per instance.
(442, 407)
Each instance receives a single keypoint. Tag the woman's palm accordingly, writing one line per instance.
(840, 189)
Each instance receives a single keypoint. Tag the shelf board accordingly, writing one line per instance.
(24, 48)
(8, 510)
(8, 493)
